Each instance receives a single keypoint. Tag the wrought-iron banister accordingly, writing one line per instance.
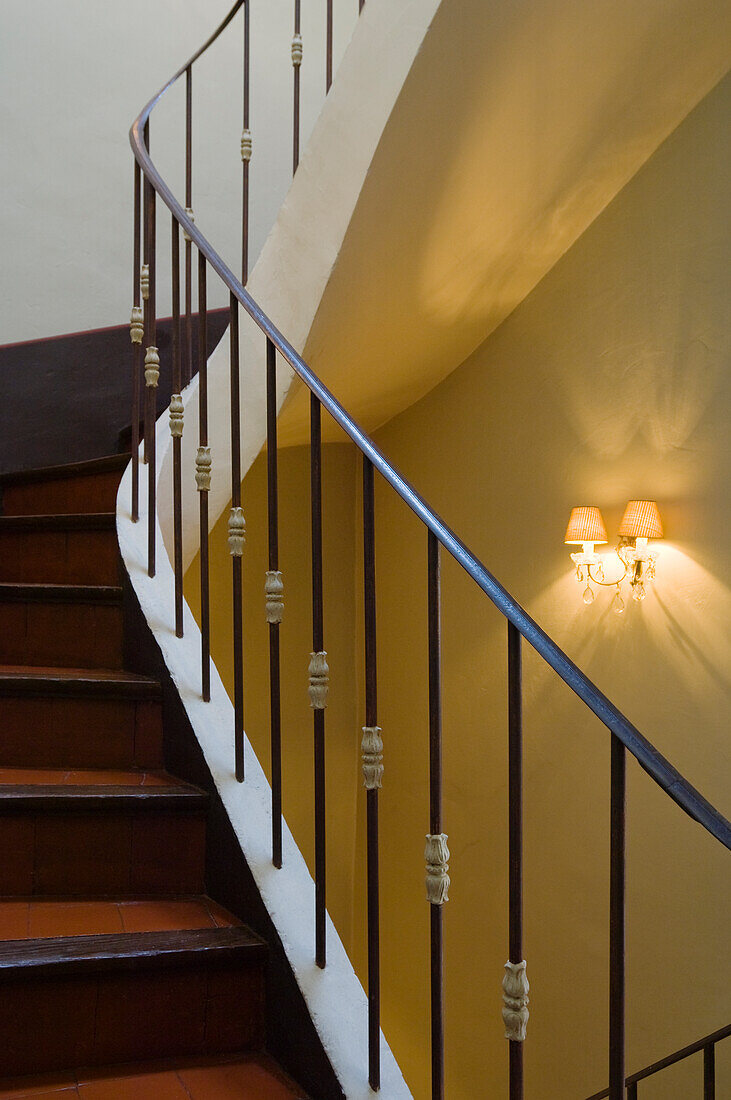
(624, 735)
(707, 1045)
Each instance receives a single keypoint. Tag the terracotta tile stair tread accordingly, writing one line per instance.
(89, 777)
(58, 956)
(71, 469)
(43, 917)
(19, 591)
(71, 521)
(232, 1077)
(41, 680)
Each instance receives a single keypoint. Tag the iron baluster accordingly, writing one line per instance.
(296, 64)
(136, 353)
(176, 427)
(516, 1008)
(617, 921)
(189, 210)
(709, 1072)
(151, 363)
(236, 538)
(203, 479)
(245, 156)
(372, 772)
(275, 615)
(318, 679)
(435, 814)
(329, 47)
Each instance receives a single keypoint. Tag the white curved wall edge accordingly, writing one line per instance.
(334, 996)
(299, 254)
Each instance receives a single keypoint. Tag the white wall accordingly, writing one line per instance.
(73, 76)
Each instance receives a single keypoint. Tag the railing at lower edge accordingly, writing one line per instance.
(707, 1045)
(623, 735)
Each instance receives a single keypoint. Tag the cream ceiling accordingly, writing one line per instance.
(518, 123)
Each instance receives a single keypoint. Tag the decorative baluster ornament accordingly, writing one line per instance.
(236, 532)
(191, 215)
(515, 1001)
(436, 855)
(176, 415)
(152, 366)
(274, 592)
(246, 145)
(371, 748)
(297, 50)
(145, 281)
(319, 680)
(203, 466)
(136, 325)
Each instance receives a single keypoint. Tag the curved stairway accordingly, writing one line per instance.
(111, 953)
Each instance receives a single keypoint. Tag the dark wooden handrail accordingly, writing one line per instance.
(671, 1059)
(650, 759)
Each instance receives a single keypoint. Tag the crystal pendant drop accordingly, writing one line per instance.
(618, 604)
(588, 596)
(638, 593)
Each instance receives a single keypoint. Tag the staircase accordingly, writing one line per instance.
(111, 953)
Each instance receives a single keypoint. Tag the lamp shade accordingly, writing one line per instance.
(585, 525)
(641, 520)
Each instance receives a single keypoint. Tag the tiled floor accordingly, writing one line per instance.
(85, 777)
(37, 918)
(254, 1077)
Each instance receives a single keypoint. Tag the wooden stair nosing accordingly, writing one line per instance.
(57, 798)
(21, 959)
(105, 683)
(22, 592)
(89, 467)
(59, 521)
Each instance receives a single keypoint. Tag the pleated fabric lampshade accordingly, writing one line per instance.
(641, 520)
(585, 525)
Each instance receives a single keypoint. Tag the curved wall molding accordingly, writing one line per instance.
(294, 267)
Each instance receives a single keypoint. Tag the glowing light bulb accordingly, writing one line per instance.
(638, 592)
(588, 596)
(618, 604)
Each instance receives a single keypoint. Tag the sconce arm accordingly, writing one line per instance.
(607, 584)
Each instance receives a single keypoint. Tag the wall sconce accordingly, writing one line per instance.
(640, 522)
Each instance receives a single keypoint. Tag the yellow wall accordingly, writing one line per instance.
(609, 381)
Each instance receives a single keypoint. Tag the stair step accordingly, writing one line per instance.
(97, 838)
(79, 718)
(60, 549)
(60, 956)
(87, 682)
(86, 777)
(102, 999)
(247, 1076)
(61, 624)
(77, 487)
(49, 917)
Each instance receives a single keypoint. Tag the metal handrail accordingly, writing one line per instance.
(707, 1043)
(650, 759)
